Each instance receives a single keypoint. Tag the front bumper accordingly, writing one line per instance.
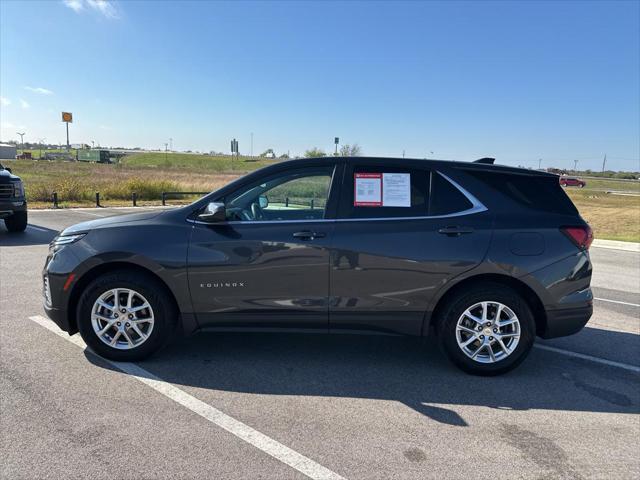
(9, 207)
(60, 318)
(566, 321)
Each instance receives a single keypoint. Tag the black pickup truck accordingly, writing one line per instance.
(13, 204)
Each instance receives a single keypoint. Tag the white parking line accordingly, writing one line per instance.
(38, 228)
(616, 301)
(582, 356)
(259, 440)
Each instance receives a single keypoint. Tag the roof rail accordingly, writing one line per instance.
(485, 160)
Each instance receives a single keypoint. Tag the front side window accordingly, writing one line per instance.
(295, 195)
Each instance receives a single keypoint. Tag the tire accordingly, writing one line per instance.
(146, 290)
(581, 185)
(16, 222)
(518, 335)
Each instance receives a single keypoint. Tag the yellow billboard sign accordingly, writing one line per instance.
(67, 117)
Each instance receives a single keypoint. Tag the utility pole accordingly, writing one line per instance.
(251, 144)
(539, 164)
(402, 153)
(575, 165)
(171, 144)
(21, 140)
(604, 162)
(41, 141)
(165, 151)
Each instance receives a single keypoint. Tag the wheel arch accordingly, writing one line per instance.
(105, 268)
(528, 294)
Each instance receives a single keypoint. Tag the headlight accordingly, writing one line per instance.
(18, 189)
(61, 241)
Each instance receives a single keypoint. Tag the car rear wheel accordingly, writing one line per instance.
(16, 222)
(126, 316)
(488, 330)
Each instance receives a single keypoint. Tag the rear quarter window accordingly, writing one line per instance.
(537, 192)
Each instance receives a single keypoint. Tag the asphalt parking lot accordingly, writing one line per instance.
(296, 406)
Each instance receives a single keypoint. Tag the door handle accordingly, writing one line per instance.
(308, 235)
(455, 231)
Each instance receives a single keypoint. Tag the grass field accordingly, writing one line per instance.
(149, 174)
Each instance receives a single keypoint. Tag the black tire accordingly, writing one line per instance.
(16, 222)
(164, 311)
(491, 292)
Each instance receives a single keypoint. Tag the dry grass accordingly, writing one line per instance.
(612, 217)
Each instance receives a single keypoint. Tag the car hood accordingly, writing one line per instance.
(5, 176)
(110, 222)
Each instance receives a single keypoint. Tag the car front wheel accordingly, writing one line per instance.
(487, 331)
(16, 222)
(125, 316)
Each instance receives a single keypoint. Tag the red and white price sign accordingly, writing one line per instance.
(367, 190)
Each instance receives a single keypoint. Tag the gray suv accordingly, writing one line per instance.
(483, 256)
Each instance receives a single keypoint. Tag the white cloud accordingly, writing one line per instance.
(40, 90)
(4, 101)
(105, 8)
(75, 5)
(24, 104)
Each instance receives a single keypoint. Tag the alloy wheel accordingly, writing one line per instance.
(122, 318)
(488, 332)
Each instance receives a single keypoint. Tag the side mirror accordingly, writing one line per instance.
(215, 212)
(263, 201)
(7, 169)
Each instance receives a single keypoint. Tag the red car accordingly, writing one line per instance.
(572, 182)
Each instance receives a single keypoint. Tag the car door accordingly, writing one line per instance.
(396, 244)
(267, 265)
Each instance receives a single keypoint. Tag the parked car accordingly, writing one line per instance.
(13, 204)
(572, 182)
(486, 257)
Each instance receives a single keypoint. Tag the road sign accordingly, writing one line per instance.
(67, 117)
(336, 141)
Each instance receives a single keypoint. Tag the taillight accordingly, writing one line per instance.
(580, 236)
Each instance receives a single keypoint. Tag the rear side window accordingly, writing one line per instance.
(445, 197)
(533, 191)
(406, 193)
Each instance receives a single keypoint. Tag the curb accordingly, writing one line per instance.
(617, 245)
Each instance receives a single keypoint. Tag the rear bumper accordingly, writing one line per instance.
(566, 321)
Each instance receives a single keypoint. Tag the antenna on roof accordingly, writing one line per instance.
(485, 160)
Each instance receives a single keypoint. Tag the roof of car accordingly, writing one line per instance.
(465, 165)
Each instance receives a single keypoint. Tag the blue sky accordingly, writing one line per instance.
(519, 81)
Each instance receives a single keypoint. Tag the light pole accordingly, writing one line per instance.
(171, 144)
(21, 140)
(539, 164)
(165, 152)
(575, 165)
(251, 144)
(41, 141)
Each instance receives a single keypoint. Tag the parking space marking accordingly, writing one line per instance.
(38, 228)
(259, 440)
(591, 358)
(616, 301)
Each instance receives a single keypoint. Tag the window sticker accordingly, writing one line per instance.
(367, 190)
(396, 189)
(382, 190)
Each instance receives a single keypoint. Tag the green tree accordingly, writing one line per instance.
(350, 150)
(315, 152)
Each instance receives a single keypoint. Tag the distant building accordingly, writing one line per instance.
(7, 151)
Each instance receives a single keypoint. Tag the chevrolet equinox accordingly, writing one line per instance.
(483, 256)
